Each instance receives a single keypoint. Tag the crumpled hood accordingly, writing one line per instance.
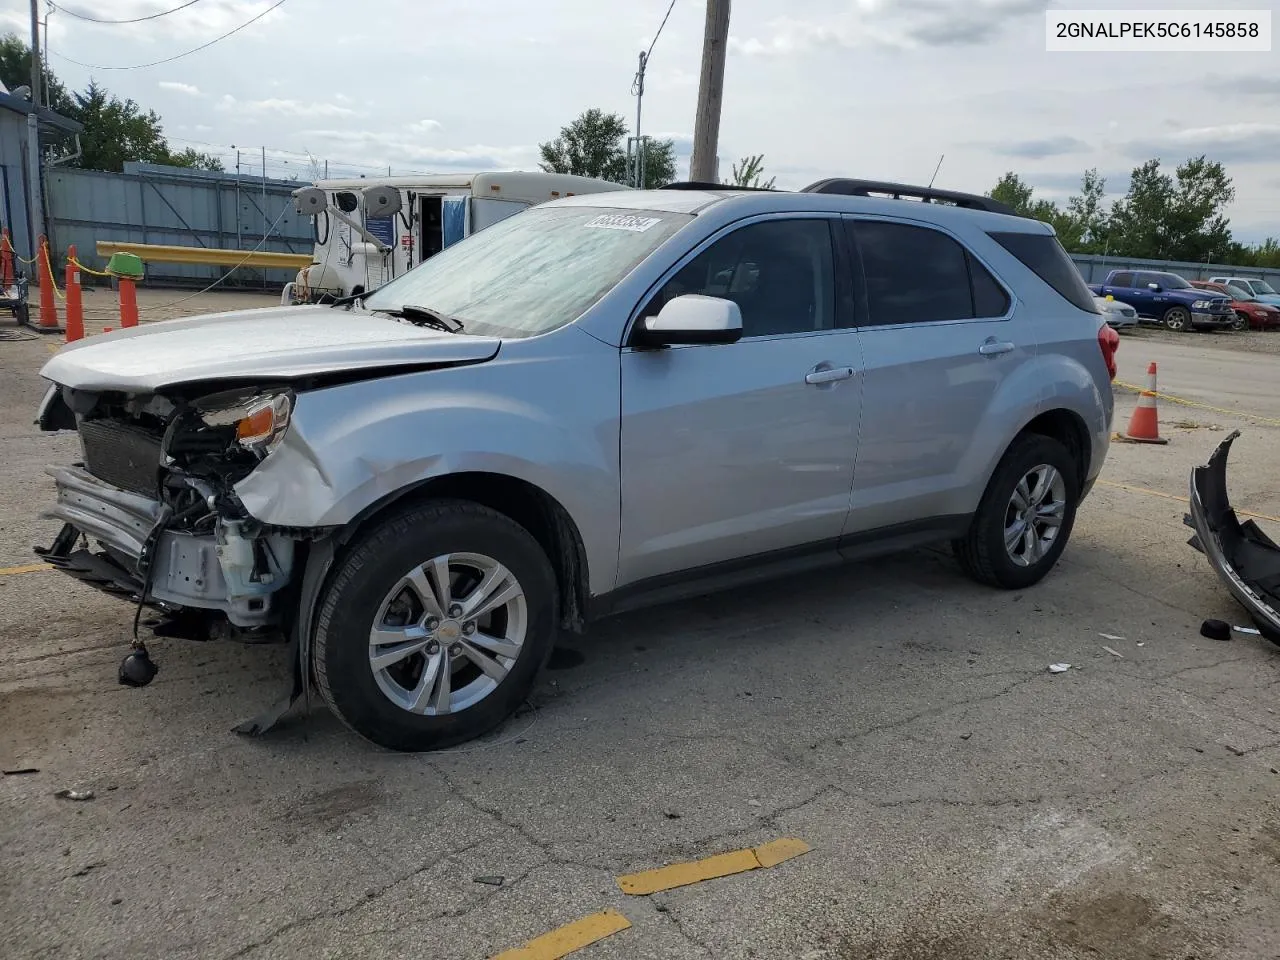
(270, 343)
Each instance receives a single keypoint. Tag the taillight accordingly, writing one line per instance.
(1109, 343)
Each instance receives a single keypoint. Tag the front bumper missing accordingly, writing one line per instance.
(185, 569)
(1245, 558)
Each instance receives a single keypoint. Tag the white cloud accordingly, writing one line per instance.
(1248, 142)
(189, 89)
(902, 25)
(284, 107)
(425, 126)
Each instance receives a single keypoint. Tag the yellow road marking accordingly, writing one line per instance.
(1170, 496)
(722, 865)
(572, 936)
(1200, 406)
(29, 568)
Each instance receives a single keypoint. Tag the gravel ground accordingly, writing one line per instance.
(1240, 341)
(960, 801)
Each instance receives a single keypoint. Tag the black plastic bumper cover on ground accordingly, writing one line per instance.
(1245, 558)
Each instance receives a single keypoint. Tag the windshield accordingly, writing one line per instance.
(1263, 288)
(1239, 293)
(1171, 281)
(533, 272)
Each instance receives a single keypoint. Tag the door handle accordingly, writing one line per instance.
(994, 348)
(828, 375)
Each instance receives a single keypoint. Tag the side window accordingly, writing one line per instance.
(780, 273)
(1122, 280)
(918, 275)
(1140, 280)
(989, 298)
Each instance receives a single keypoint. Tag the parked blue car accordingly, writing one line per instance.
(1167, 298)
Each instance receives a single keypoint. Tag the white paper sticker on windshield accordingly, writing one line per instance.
(622, 221)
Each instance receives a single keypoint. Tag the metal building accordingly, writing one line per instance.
(14, 179)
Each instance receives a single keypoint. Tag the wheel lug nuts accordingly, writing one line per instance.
(456, 649)
(469, 627)
(432, 623)
(455, 611)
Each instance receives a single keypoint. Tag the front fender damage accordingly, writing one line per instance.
(1244, 557)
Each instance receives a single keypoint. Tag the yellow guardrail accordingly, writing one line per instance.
(161, 253)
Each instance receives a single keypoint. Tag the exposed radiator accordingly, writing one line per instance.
(122, 454)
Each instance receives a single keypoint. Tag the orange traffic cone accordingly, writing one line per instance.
(1144, 425)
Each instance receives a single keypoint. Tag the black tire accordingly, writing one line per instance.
(981, 552)
(368, 572)
(1178, 319)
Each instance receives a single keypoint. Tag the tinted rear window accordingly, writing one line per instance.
(1044, 256)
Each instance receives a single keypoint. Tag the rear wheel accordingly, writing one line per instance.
(1025, 517)
(1178, 319)
(435, 626)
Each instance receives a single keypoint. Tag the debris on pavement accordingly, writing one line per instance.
(1246, 560)
(1059, 667)
(491, 881)
(89, 868)
(1112, 637)
(20, 771)
(75, 794)
(1114, 653)
(1236, 750)
(1215, 630)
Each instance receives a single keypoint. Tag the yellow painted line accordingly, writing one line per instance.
(721, 865)
(1199, 406)
(571, 937)
(1169, 496)
(28, 568)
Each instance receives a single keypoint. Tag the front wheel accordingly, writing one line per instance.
(1025, 516)
(1241, 322)
(435, 626)
(1178, 319)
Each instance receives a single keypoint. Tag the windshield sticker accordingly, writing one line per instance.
(621, 221)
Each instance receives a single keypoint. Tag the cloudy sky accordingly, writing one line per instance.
(868, 88)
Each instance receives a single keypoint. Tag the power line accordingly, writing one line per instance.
(660, 26)
(153, 16)
(156, 63)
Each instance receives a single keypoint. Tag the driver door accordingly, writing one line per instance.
(743, 450)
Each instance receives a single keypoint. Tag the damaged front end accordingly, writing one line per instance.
(150, 513)
(1245, 558)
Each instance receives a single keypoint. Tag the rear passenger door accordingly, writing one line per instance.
(938, 340)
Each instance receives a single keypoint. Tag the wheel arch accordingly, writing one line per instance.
(1069, 429)
(525, 503)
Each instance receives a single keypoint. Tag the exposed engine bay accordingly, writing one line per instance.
(157, 481)
(1244, 557)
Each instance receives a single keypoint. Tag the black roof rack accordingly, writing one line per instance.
(903, 191)
(708, 185)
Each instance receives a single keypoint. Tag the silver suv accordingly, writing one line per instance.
(603, 402)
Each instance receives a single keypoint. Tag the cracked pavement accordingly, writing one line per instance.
(960, 801)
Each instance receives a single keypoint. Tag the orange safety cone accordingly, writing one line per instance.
(128, 302)
(48, 306)
(6, 260)
(1144, 425)
(75, 304)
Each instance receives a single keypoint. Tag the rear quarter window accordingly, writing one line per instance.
(1043, 255)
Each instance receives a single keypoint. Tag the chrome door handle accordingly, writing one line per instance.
(994, 348)
(829, 375)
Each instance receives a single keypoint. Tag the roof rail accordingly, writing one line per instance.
(708, 185)
(903, 191)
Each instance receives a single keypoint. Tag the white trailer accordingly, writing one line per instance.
(368, 231)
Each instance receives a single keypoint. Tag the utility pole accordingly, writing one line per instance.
(637, 174)
(35, 207)
(706, 126)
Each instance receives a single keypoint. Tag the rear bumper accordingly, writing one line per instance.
(1244, 558)
(185, 568)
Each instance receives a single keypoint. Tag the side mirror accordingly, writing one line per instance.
(1154, 287)
(691, 319)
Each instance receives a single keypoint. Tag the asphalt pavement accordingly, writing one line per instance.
(958, 800)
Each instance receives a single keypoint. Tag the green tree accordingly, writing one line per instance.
(117, 131)
(1015, 192)
(594, 145)
(1012, 191)
(15, 71)
(194, 159)
(749, 172)
(1177, 217)
(1089, 219)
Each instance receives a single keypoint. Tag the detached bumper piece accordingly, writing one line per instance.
(1245, 558)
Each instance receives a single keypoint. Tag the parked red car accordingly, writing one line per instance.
(1251, 312)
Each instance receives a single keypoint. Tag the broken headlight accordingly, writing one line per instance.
(260, 420)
